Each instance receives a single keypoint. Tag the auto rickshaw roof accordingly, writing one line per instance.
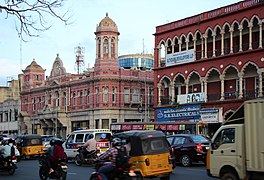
(142, 134)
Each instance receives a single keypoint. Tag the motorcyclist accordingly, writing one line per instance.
(89, 146)
(55, 152)
(5, 150)
(111, 154)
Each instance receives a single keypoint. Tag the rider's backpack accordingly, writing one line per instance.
(13, 151)
(122, 157)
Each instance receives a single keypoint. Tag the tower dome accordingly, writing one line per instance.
(107, 24)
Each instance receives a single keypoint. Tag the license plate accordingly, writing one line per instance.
(64, 167)
(14, 160)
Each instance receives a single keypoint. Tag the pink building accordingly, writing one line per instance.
(64, 102)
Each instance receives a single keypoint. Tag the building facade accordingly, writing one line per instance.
(207, 65)
(106, 93)
(9, 107)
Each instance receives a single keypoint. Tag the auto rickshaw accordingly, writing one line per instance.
(149, 153)
(29, 145)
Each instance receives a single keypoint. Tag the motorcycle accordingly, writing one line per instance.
(89, 159)
(60, 169)
(8, 164)
(121, 173)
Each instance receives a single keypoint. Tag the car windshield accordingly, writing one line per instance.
(199, 139)
(46, 139)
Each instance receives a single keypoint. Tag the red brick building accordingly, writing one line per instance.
(206, 65)
(64, 102)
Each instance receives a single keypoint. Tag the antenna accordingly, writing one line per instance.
(79, 51)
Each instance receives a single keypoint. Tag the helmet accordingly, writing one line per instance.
(116, 142)
(52, 142)
(58, 142)
(91, 136)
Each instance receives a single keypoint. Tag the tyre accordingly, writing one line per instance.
(229, 176)
(43, 173)
(186, 161)
(63, 175)
(78, 160)
(165, 178)
(12, 170)
(95, 176)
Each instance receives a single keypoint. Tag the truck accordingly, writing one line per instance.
(237, 147)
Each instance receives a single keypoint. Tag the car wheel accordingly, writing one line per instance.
(229, 176)
(186, 160)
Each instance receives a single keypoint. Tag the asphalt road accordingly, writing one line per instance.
(28, 170)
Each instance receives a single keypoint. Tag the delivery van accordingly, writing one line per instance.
(237, 148)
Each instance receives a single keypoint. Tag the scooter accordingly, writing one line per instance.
(121, 173)
(8, 164)
(60, 169)
(89, 159)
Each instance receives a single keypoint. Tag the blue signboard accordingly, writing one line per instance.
(183, 113)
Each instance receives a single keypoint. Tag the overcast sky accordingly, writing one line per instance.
(136, 21)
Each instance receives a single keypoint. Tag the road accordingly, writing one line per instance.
(28, 170)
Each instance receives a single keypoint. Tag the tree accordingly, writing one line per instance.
(32, 14)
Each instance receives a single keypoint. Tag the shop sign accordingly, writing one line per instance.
(148, 127)
(126, 127)
(180, 57)
(190, 98)
(116, 127)
(181, 113)
(172, 127)
(209, 115)
(136, 127)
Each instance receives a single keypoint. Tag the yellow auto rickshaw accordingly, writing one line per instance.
(29, 145)
(149, 153)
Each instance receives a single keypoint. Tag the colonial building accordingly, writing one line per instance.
(9, 107)
(208, 64)
(107, 93)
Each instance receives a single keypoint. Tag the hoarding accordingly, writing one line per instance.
(180, 57)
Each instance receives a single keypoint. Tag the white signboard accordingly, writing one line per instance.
(190, 98)
(180, 57)
(209, 115)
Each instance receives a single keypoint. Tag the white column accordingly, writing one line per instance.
(260, 34)
(240, 37)
(173, 93)
(205, 45)
(202, 48)
(240, 75)
(187, 86)
(187, 44)
(180, 45)
(214, 43)
(159, 92)
(231, 40)
(222, 42)
(222, 78)
(205, 90)
(250, 36)
(260, 83)
(172, 46)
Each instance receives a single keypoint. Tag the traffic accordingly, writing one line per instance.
(128, 155)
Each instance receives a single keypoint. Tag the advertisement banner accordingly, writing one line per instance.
(185, 113)
(190, 98)
(180, 57)
(209, 115)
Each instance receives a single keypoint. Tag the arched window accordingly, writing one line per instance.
(113, 46)
(105, 94)
(106, 50)
(57, 102)
(74, 99)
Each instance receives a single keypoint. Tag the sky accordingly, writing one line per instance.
(136, 21)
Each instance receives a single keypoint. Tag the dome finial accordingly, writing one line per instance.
(107, 14)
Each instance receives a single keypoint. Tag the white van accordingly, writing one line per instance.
(79, 137)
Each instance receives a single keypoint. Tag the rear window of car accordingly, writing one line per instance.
(199, 139)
